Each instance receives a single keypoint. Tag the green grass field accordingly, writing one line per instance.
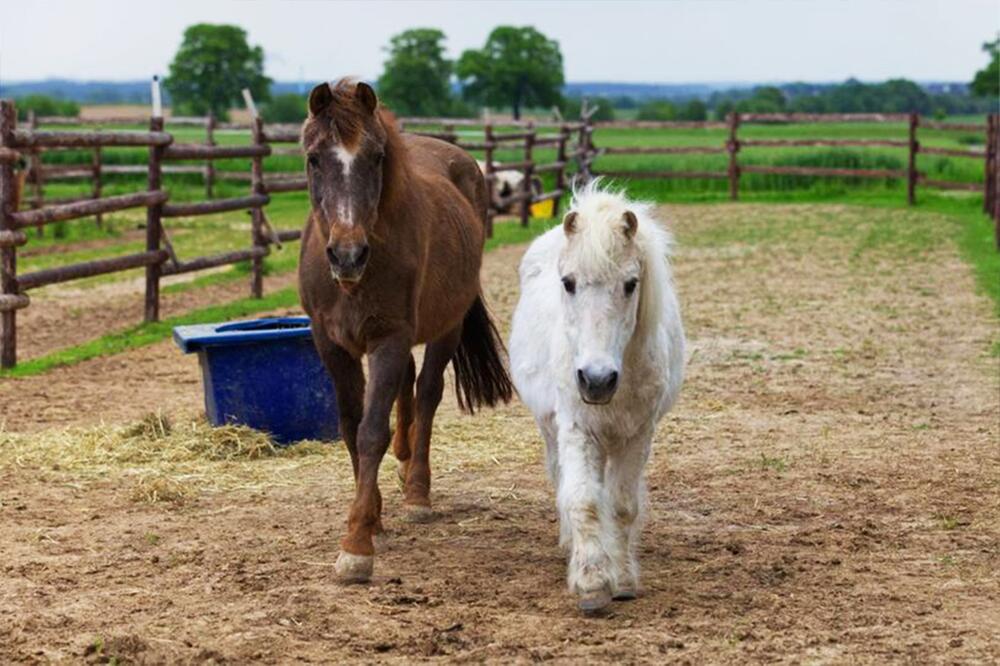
(121, 234)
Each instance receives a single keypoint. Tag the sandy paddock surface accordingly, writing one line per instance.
(828, 490)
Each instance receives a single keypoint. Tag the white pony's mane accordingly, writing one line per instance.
(599, 243)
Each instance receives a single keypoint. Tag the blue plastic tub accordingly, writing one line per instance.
(265, 374)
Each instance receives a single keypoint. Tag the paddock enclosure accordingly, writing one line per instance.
(825, 491)
(159, 257)
(558, 152)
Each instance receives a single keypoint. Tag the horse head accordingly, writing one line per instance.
(345, 141)
(600, 267)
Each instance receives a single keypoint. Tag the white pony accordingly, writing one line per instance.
(597, 354)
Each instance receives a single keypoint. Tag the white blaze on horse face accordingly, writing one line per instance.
(345, 210)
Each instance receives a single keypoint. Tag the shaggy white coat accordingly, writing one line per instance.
(596, 453)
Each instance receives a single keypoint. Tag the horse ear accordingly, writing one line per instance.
(569, 222)
(631, 224)
(366, 96)
(320, 98)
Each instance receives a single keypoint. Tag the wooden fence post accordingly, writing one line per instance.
(995, 202)
(733, 147)
(591, 146)
(911, 168)
(490, 176)
(256, 213)
(528, 171)
(583, 144)
(990, 165)
(8, 252)
(209, 164)
(561, 171)
(96, 168)
(35, 170)
(154, 213)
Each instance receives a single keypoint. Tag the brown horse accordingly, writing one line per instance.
(390, 259)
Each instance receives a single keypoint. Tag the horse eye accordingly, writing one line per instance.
(630, 286)
(569, 284)
(313, 161)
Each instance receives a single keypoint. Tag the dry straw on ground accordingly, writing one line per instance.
(164, 461)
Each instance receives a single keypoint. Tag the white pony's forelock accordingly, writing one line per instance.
(600, 241)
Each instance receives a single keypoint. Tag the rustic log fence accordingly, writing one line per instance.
(166, 156)
(573, 144)
(734, 145)
(495, 137)
(159, 258)
(526, 138)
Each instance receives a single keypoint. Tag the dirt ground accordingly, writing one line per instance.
(827, 491)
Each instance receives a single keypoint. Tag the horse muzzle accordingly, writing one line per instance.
(596, 387)
(348, 260)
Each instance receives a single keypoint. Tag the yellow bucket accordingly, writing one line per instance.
(543, 209)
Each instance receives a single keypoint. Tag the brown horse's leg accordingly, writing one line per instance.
(349, 381)
(430, 386)
(404, 419)
(386, 369)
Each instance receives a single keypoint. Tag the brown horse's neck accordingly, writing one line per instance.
(396, 174)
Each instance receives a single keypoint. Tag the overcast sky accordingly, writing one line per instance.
(675, 42)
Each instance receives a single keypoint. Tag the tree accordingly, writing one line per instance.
(693, 110)
(723, 108)
(903, 96)
(517, 66)
(43, 105)
(285, 108)
(211, 68)
(573, 106)
(657, 109)
(765, 99)
(986, 82)
(416, 80)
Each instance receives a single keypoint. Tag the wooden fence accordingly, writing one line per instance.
(573, 144)
(571, 140)
(733, 145)
(491, 138)
(165, 156)
(158, 258)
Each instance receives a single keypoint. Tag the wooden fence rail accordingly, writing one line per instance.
(159, 258)
(516, 136)
(734, 146)
(573, 144)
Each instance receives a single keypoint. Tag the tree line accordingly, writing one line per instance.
(517, 68)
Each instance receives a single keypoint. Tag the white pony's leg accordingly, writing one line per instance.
(583, 515)
(626, 494)
(551, 435)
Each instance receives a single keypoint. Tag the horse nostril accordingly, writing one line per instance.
(581, 378)
(363, 256)
(332, 256)
(612, 380)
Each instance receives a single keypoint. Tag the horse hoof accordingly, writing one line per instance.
(625, 594)
(594, 602)
(418, 513)
(354, 568)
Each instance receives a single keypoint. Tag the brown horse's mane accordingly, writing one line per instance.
(396, 175)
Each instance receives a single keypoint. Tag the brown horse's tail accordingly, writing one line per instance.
(481, 376)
